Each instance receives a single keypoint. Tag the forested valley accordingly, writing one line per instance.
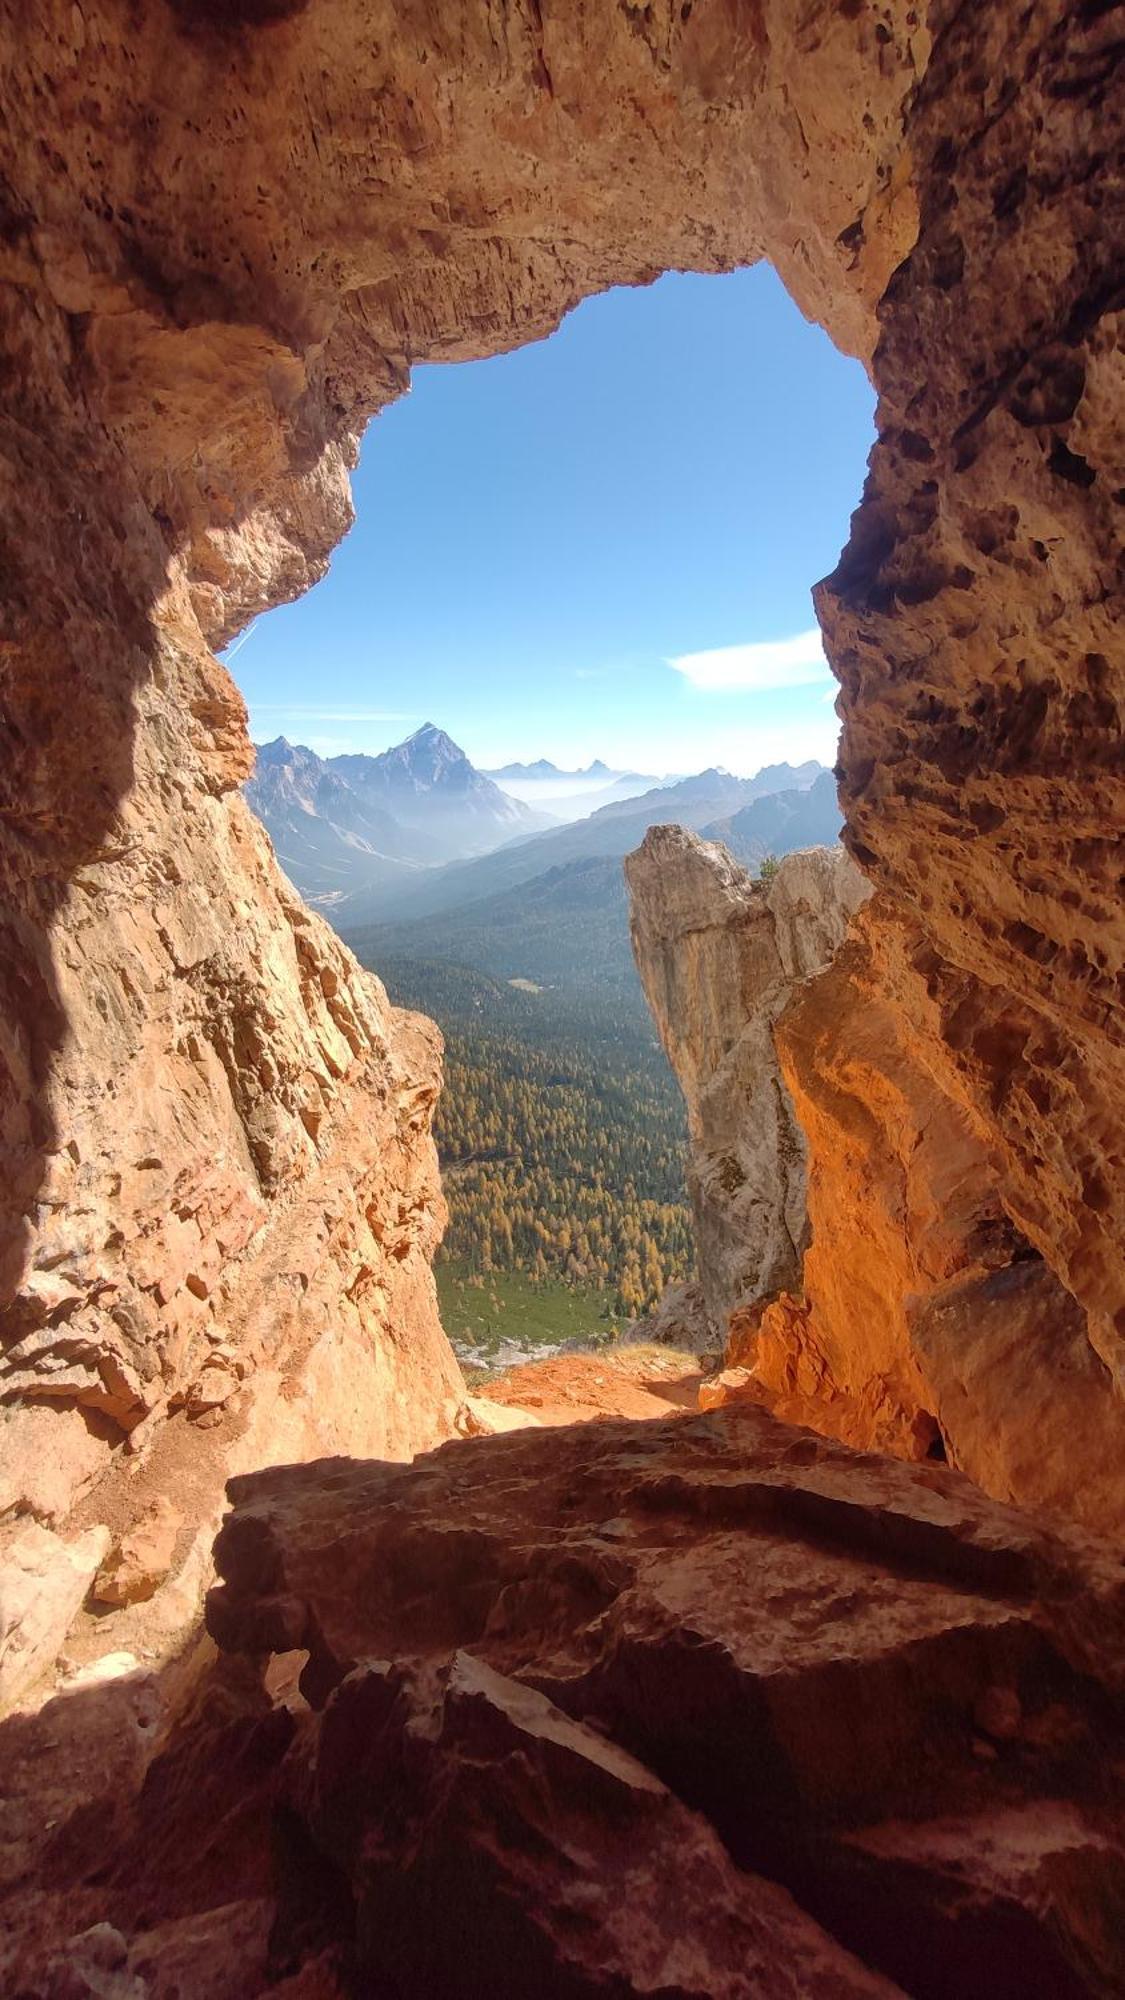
(560, 1132)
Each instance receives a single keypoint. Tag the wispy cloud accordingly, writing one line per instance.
(617, 663)
(757, 667)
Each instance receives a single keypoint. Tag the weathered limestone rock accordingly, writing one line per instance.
(719, 955)
(891, 1301)
(877, 1687)
(277, 1286)
(701, 1706)
(138, 1565)
(680, 1320)
(500, 1794)
(42, 1583)
(925, 1321)
(975, 617)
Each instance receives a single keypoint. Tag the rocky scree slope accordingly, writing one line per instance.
(710, 1708)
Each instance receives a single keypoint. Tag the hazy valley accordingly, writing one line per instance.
(560, 1128)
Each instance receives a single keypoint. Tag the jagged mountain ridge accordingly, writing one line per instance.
(542, 767)
(325, 835)
(781, 822)
(718, 790)
(419, 829)
(434, 792)
(342, 824)
(701, 802)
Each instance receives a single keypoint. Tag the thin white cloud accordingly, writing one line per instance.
(757, 667)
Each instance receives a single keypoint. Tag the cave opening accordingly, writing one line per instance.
(574, 604)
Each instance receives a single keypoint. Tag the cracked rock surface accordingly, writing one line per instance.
(700, 1706)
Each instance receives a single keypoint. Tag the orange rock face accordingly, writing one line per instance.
(928, 1323)
(974, 620)
(853, 1236)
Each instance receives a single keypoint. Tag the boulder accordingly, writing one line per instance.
(138, 1563)
(43, 1581)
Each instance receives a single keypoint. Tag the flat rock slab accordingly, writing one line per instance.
(565, 1657)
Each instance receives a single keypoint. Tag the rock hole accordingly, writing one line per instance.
(1070, 465)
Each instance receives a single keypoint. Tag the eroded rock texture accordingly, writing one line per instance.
(704, 1707)
(701, 1707)
(719, 956)
(925, 1321)
(974, 620)
(855, 1251)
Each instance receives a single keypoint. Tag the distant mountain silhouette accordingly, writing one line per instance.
(429, 786)
(543, 785)
(327, 839)
(349, 824)
(781, 822)
(543, 768)
(699, 802)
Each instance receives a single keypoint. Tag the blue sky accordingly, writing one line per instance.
(600, 545)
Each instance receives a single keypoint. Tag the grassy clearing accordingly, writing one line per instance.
(512, 1309)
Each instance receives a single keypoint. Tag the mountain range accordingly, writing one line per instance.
(419, 830)
(567, 928)
(571, 795)
(343, 825)
(543, 768)
(704, 802)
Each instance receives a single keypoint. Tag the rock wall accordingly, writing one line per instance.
(859, 1264)
(718, 956)
(974, 620)
(927, 1322)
